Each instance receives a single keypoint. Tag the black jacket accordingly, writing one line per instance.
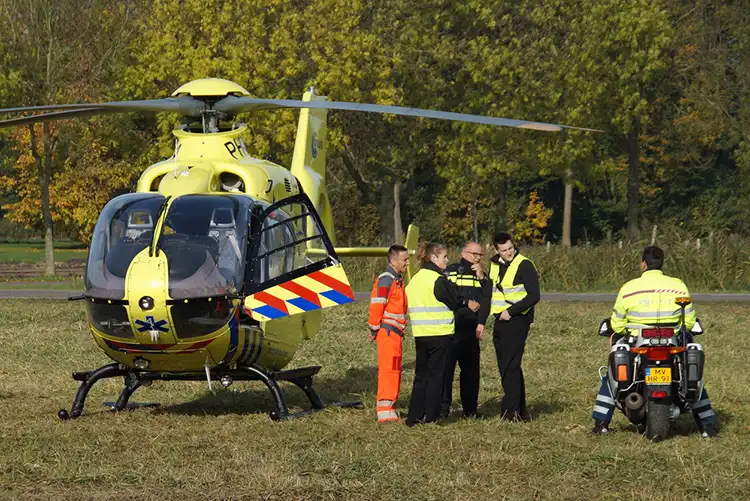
(482, 293)
(526, 275)
(446, 291)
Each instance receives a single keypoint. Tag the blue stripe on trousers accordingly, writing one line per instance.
(604, 408)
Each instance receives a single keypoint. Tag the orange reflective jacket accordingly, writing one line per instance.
(388, 303)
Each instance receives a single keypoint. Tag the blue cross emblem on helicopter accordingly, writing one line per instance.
(152, 324)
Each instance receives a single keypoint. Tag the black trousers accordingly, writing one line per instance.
(464, 352)
(509, 338)
(429, 379)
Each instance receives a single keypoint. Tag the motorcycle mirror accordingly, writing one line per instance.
(697, 328)
(604, 328)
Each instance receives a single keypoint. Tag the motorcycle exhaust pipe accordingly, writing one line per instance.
(634, 401)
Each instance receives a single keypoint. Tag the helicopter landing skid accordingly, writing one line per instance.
(302, 378)
(132, 405)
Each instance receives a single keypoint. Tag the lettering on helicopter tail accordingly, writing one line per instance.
(151, 324)
(315, 145)
(314, 291)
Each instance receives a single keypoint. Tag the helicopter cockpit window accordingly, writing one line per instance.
(205, 240)
(125, 227)
(289, 240)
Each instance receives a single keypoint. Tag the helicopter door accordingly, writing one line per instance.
(292, 266)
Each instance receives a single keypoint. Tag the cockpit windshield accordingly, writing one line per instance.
(125, 227)
(205, 240)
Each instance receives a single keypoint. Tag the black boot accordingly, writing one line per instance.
(600, 428)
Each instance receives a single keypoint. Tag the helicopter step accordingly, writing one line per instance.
(302, 378)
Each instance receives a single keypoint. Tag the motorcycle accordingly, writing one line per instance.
(655, 372)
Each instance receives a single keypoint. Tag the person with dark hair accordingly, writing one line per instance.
(432, 300)
(468, 275)
(650, 300)
(514, 294)
(387, 322)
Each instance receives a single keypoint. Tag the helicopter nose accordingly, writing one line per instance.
(146, 289)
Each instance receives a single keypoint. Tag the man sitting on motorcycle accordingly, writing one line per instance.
(644, 300)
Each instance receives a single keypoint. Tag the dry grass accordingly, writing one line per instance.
(721, 264)
(201, 446)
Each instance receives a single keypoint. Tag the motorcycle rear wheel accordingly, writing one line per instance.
(657, 419)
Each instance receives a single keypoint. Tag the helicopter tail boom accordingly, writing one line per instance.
(309, 161)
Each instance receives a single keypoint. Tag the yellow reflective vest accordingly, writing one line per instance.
(649, 300)
(509, 292)
(427, 315)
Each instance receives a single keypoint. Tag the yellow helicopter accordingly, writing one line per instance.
(220, 263)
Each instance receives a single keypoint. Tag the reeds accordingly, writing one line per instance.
(717, 263)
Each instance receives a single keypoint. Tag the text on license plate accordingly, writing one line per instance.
(658, 375)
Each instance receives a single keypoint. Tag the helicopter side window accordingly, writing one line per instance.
(288, 241)
(275, 254)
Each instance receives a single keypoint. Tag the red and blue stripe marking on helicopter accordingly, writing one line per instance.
(155, 348)
(314, 291)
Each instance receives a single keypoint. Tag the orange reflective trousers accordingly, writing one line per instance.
(389, 374)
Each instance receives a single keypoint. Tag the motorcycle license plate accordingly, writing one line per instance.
(658, 375)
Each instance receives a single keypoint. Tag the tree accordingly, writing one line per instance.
(620, 60)
(58, 50)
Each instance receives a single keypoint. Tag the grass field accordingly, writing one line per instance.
(224, 446)
(34, 252)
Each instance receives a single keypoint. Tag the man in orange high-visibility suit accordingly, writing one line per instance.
(387, 322)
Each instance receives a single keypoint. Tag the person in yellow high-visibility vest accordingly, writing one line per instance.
(650, 300)
(432, 300)
(514, 294)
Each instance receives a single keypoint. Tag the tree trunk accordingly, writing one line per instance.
(44, 181)
(500, 205)
(398, 231)
(474, 217)
(567, 209)
(385, 209)
(44, 168)
(634, 156)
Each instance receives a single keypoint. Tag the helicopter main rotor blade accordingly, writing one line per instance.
(49, 117)
(233, 105)
(185, 105)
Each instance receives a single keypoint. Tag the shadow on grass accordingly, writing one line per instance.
(685, 425)
(535, 408)
(254, 398)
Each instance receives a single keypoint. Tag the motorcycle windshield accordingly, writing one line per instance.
(205, 240)
(124, 228)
